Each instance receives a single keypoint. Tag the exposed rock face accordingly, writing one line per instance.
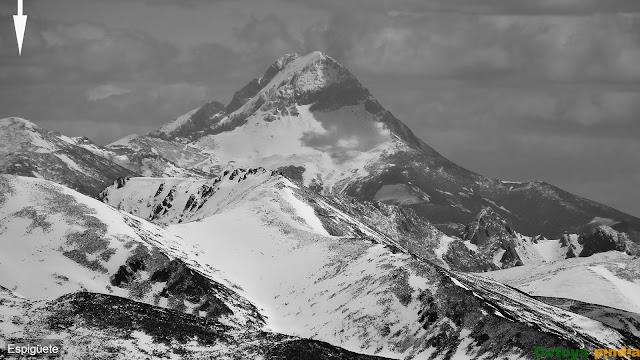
(178, 284)
(254, 86)
(604, 238)
(486, 227)
(495, 245)
(196, 126)
(461, 257)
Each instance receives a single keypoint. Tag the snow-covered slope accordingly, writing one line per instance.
(56, 241)
(27, 150)
(610, 279)
(491, 243)
(364, 291)
(618, 319)
(152, 156)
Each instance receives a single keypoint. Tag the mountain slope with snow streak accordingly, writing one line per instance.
(359, 289)
(183, 200)
(56, 241)
(28, 150)
(609, 279)
(191, 125)
(618, 319)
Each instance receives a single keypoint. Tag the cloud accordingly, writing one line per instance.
(452, 45)
(484, 82)
(181, 3)
(347, 132)
(175, 96)
(263, 39)
(105, 91)
(99, 75)
(508, 7)
(87, 52)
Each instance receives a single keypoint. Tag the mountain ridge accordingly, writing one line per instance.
(224, 209)
(28, 150)
(322, 98)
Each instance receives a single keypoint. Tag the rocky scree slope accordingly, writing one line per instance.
(135, 330)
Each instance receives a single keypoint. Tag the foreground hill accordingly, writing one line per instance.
(56, 241)
(135, 330)
(69, 259)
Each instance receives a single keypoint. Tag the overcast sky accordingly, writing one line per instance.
(512, 89)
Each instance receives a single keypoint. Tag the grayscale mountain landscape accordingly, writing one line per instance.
(302, 220)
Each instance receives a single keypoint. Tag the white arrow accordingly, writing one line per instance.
(20, 22)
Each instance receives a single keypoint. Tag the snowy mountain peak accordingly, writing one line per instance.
(277, 66)
(296, 63)
(303, 80)
(18, 123)
(310, 115)
(28, 150)
(313, 72)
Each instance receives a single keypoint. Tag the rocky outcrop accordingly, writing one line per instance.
(603, 238)
(492, 245)
(254, 86)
